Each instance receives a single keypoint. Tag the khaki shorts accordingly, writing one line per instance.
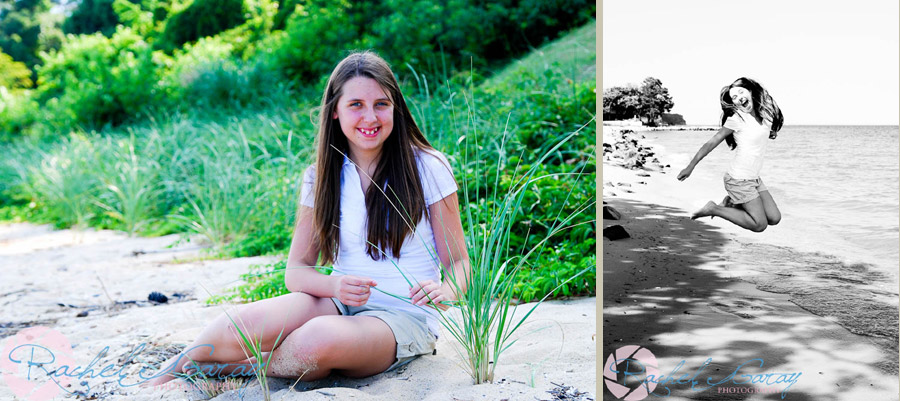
(743, 191)
(410, 330)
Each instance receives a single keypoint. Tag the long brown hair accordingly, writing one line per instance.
(764, 107)
(397, 174)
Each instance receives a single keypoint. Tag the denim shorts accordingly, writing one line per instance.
(743, 191)
(410, 330)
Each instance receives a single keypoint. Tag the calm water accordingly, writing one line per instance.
(838, 187)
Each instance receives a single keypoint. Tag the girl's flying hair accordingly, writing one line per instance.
(763, 106)
(397, 174)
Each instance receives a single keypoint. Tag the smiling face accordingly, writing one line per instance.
(366, 115)
(741, 98)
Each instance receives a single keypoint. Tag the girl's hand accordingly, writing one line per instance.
(420, 293)
(353, 290)
(684, 174)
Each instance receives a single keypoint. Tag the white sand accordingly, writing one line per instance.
(41, 268)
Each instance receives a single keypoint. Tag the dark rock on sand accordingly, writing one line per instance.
(627, 150)
(615, 232)
(157, 297)
(610, 213)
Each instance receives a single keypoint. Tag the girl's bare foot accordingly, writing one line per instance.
(706, 210)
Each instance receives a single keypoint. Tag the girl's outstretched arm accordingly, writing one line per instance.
(707, 147)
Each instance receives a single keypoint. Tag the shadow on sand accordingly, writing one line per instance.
(675, 289)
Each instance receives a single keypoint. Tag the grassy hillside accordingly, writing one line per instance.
(232, 175)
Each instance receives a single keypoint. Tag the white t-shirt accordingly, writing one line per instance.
(751, 138)
(418, 257)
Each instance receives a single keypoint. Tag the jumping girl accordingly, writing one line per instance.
(749, 116)
(378, 200)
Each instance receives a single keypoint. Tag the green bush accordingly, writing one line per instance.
(18, 111)
(94, 80)
(207, 74)
(91, 16)
(201, 18)
(316, 37)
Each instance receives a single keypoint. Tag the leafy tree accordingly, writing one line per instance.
(92, 16)
(285, 9)
(654, 100)
(648, 102)
(13, 74)
(20, 29)
(621, 102)
(310, 45)
(200, 19)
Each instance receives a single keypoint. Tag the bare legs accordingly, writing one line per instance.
(356, 346)
(754, 215)
(314, 340)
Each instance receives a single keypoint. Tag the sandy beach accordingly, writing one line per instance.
(50, 278)
(694, 291)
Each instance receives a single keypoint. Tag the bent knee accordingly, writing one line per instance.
(774, 220)
(758, 228)
(319, 341)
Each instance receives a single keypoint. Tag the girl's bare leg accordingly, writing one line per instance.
(750, 215)
(773, 215)
(262, 321)
(356, 346)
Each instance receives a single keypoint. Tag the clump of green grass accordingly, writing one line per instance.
(219, 194)
(485, 321)
(208, 386)
(63, 182)
(130, 184)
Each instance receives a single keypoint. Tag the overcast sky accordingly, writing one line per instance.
(825, 62)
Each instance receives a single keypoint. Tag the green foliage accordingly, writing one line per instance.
(63, 184)
(20, 30)
(94, 80)
(13, 74)
(91, 16)
(200, 19)
(276, 50)
(484, 322)
(465, 32)
(141, 16)
(260, 282)
(286, 8)
(552, 273)
(18, 111)
(130, 185)
(206, 75)
(227, 140)
(311, 45)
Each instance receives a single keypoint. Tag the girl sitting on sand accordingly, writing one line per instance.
(374, 168)
(749, 116)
